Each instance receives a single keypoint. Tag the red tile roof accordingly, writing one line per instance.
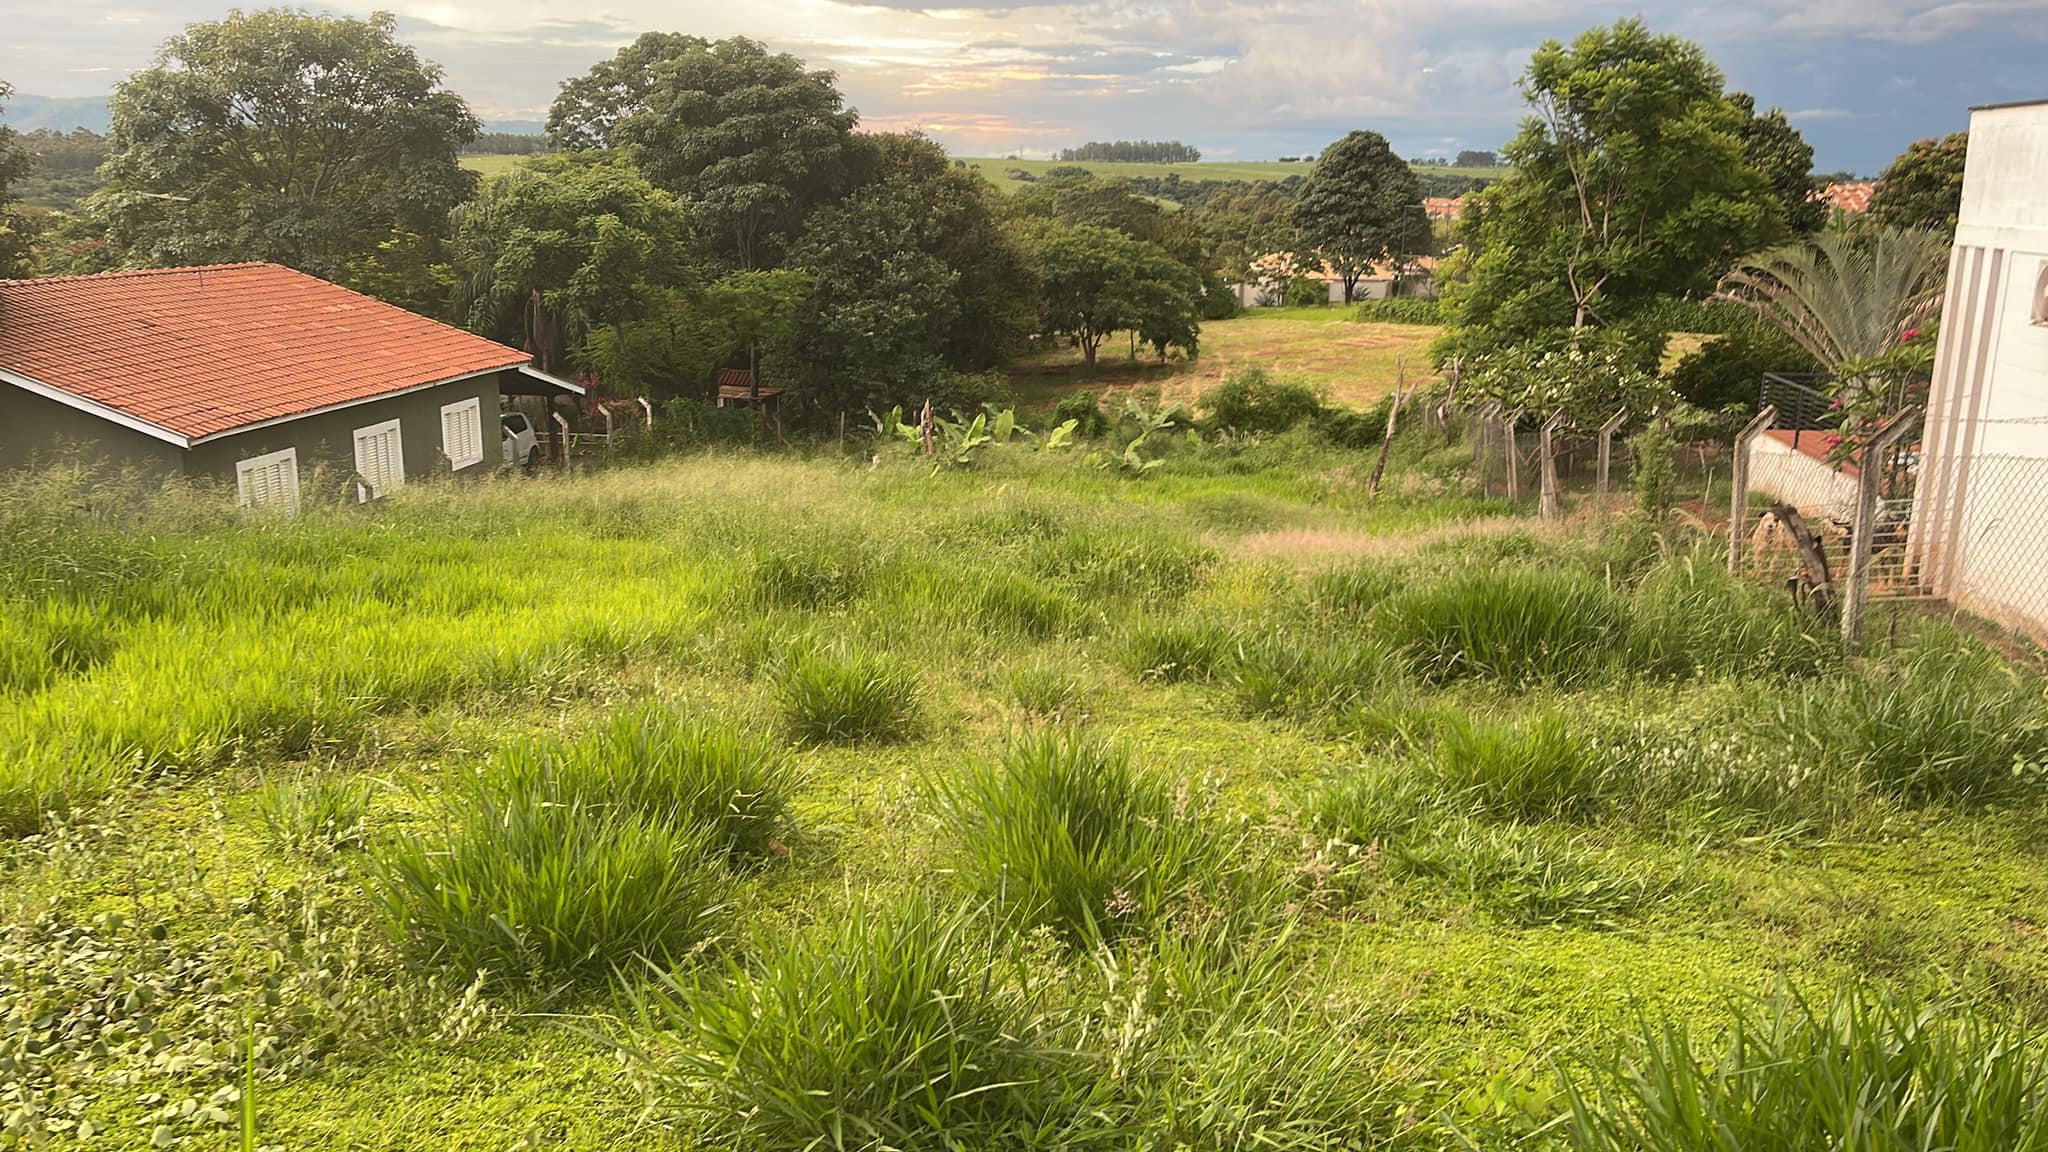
(1849, 199)
(1443, 207)
(201, 351)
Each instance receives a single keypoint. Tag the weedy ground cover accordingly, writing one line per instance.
(761, 801)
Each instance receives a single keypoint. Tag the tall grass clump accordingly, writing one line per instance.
(1174, 650)
(907, 1028)
(35, 787)
(838, 695)
(1515, 625)
(1865, 1071)
(1280, 674)
(664, 766)
(1065, 830)
(530, 883)
(316, 813)
(804, 571)
(1044, 688)
(569, 857)
(1539, 767)
(1928, 725)
(1690, 617)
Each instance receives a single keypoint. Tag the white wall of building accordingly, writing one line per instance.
(1981, 507)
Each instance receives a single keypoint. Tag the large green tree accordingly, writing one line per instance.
(1923, 188)
(566, 245)
(1629, 183)
(1094, 281)
(1785, 160)
(870, 331)
(279, 135)
(750, 140)
(1362, 205)
(15, 165)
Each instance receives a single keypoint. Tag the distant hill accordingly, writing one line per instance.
(29, 112)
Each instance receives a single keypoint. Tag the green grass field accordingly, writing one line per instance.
(491, 165)
(996, 170)
(736, 800)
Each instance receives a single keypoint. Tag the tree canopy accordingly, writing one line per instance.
(15, 164)
(283, 136)
(1785, 160)
(564, 245)
(1095, 281)
(1361, 205)
(1630, 182)
(748, 139)
(1923, 188)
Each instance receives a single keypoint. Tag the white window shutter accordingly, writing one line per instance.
(462, 438)
(269, 482)
(380, 457)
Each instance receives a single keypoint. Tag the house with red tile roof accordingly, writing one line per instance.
(254, 373)
(1847, 199)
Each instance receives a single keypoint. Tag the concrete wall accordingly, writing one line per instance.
(1980, 517)
(1810, 485)
(328, 439)
(35, 429)
(38, 430)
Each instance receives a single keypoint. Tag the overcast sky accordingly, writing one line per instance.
(1248, 79)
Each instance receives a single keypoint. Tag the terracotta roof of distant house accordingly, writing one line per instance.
(197, 352)
(1849, 199)
(1443, 207)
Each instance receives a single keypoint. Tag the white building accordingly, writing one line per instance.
(1980, 512)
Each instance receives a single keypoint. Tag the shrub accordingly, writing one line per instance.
(530, 884)
(1085, 411)
(1172, 651)
(841, 696)
(1729, 370)
(1516, 625)
(1865, 1070)
(1064, 830)
(896, 1029)
(1400, 310)
(1307, 292)
(663, 767)
(1250, 400)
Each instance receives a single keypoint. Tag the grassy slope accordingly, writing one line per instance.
(491, 165)
(1355, 364)
(996, 170)
(575, 575)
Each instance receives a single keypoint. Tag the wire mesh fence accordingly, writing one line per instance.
(1976, 534)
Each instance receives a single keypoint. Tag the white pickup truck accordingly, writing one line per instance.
(518, 447)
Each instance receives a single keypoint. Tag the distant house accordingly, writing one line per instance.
(1847, 199)
(253, 373)
(1267, 288)
(1979, 533)
(1444, 207)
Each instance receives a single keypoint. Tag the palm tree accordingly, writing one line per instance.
(1845, 298)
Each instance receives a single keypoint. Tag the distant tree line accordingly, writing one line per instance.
(509, 144)
(66, 167)
(1133, 152)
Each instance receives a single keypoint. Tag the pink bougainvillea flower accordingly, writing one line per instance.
(1911, 335)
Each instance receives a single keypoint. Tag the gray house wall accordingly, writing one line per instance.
(37, 430)
(34, 429)
(328, 438)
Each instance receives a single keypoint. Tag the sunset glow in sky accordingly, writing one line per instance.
(1239, 79)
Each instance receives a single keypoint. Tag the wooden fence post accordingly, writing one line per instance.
(561, 433)
(1607, 432)
(646, 412)
(1738, 480)
(1507, 439)
(1869, 477)
(1547, 506)
(1379, 469)
(607, 411)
